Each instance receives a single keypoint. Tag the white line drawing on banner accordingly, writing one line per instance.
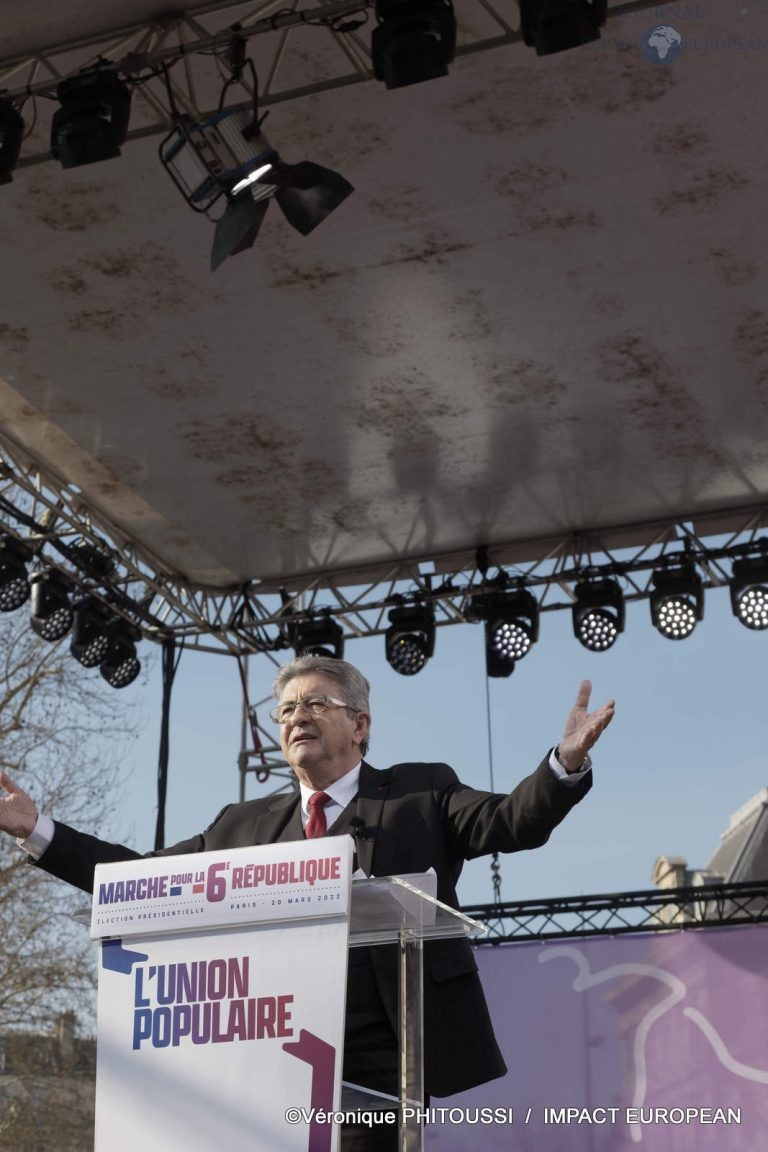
(586, 979)
(720, 1050)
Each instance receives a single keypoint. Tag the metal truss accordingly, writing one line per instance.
(651, 910)
(267, 766)
(260, 756)
(177, 61)
(61, 531)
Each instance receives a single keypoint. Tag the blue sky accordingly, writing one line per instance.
(687, 746)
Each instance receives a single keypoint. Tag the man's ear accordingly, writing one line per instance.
(362, 726)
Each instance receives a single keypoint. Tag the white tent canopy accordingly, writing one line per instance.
(542, 312)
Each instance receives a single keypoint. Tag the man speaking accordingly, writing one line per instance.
(407, 818)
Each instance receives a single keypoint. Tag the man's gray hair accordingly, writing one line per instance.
(355, 688)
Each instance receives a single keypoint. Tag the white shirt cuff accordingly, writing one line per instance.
(39, 838)
(569, 778)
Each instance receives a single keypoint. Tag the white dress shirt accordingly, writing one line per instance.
(341, 792)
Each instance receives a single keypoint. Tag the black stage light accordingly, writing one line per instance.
(120, 665)
(90, 632)
(92, 121)
(749, 592)
(415, 40)
(92, 558)
(410, 639)
(556, 25)
(52, 613)
(511, 627)
(317, 638)
(14, 583)
(677, 601)
(11, 136)
(598, 613)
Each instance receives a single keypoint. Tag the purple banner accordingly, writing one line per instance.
(653, 1043)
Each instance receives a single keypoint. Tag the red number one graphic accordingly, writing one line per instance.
(322, 1059)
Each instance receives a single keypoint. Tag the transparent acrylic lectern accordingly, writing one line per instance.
(403, 910)
(399, 910)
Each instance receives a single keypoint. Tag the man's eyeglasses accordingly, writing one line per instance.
(314, 705)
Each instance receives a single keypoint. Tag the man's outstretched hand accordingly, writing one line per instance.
(18, 812)
(582, 729)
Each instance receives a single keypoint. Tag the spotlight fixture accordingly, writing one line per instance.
(228, 156)
(598, 613)
(11, 135)
(556, 25)
(749, 592)
(14, 585)
(410, 639)
(92, 558)
(677, 601)
(120, 665)
(52, 613)
(415, 40)
(317, 638)
(92, 121)
(511, 627)
(90, 632)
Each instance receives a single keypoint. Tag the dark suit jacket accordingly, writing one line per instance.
(409, 818)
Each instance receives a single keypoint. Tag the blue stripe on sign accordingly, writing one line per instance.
(176, 891)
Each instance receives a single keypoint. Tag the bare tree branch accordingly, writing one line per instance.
(63, 732)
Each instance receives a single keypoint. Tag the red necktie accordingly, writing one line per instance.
(316, 825)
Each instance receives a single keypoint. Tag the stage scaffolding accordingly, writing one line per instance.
(332, 37)
(615, 914)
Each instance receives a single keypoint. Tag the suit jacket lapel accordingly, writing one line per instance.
(344, 825)
(280, 821)
(371, 794)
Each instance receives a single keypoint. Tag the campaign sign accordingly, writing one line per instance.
(221, 1038)
(298, 879)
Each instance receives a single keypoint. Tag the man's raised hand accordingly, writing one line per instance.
(18, 811)
(582, 729)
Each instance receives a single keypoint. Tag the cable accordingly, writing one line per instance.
(170, 665)
(495, 867)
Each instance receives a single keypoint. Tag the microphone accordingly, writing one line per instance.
(357, 829)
